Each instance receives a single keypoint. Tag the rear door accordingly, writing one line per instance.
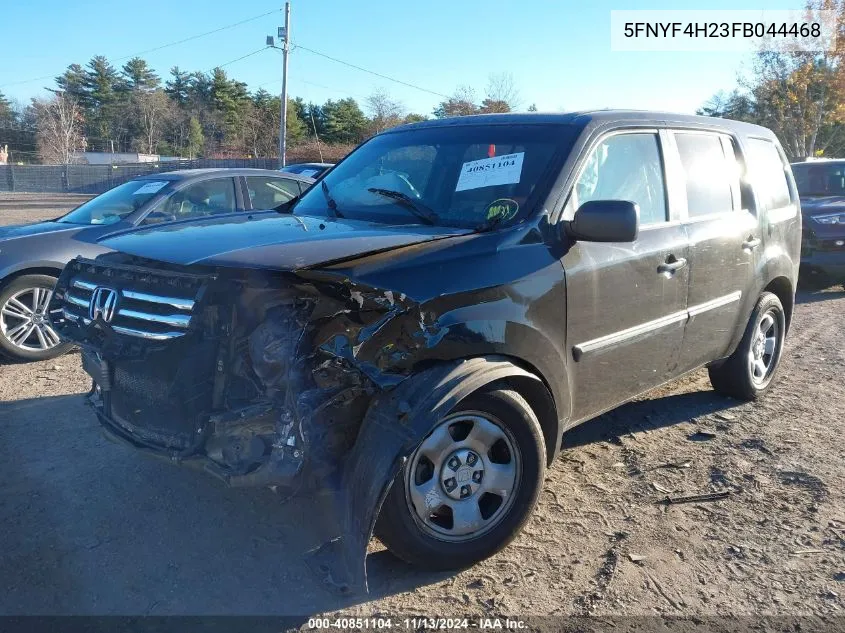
(724, 235)
(626, 303)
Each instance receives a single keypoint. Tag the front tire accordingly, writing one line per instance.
(748, 373)
(469, 487)
(25, 331)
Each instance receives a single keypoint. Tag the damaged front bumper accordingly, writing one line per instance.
(212, 370)
(242, 437)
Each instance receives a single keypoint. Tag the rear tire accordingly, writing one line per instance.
(25, 331)
(748, 373)
(499, 419)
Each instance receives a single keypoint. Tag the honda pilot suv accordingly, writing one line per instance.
(412, 336)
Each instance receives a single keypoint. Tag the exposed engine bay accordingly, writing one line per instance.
(257, 381)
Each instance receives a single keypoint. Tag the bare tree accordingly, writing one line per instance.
(59, 128)
(461, 103)
(261, 131)
(501, 94)
(385, 111)
(153, 109)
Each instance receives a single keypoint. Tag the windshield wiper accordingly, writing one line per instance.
(420, 210)
(330, 201)
(490, 223)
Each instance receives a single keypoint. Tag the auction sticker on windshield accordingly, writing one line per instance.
(150, 187)
(488, 172)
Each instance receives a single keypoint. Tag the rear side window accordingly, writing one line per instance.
(208, 197)
(269, 192)
(767, 174)
(711, 176)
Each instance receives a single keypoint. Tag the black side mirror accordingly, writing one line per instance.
(605, 221)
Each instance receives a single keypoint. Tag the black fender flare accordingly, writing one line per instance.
(395, 423)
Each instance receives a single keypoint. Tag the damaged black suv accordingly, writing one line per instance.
(414, 334)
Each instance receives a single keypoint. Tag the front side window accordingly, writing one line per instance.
(269, 193)
(209, 197)
(711, 177)
(458, 175)
(626, 167)
(118, 203)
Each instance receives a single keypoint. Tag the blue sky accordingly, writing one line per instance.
(558, 52)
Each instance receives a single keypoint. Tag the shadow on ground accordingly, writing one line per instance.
(646, 415)
(91, 527)
(823, 294)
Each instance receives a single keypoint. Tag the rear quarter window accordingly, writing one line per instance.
(767, 174)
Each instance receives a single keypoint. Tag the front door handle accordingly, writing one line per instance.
(672, 265)
(751, 243)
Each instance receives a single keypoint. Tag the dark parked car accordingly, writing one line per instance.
(438, 310)
(821, 185)
(312, 170)
(32, 255)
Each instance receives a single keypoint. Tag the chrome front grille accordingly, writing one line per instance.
(153, 307)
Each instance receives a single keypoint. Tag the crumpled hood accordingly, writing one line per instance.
(275, 242)
(24, 230)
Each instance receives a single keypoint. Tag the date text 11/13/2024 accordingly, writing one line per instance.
(416, 623)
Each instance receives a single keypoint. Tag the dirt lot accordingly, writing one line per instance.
(93, 528)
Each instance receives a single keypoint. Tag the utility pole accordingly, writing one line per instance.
(283, 124)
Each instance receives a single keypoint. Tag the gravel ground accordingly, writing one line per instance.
(20, 208)
(91, 527)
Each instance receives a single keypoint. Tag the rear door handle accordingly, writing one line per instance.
(671, 265)
(751, 243)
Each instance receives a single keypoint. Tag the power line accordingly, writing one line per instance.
(255, 52)
(371, 72)
(194, 37)
(158, 48)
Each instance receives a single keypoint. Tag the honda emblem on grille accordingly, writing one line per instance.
(103, 304)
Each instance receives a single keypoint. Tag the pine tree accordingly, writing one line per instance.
(100, 82)
(6, 112)
(178, 87)
(138, 76)
(195, 138)
(72, 83)
(345, 123)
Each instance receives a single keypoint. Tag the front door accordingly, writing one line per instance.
(626, 303)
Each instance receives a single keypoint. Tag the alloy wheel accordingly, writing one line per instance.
(762, 357)
(25, 322)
